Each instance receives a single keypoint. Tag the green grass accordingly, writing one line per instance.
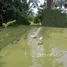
(55, 38)
(16, 55)
(19, 55)
(9, 34)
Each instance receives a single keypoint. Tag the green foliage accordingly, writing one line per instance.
(11, 14)
(21, 13)
(54, 18)
(36, 20)
(22, 20)
(16, 10)
(40, 12)
(34, 3)
(31, 15)
(38, 17)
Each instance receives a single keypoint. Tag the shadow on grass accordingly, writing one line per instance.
(10, 34)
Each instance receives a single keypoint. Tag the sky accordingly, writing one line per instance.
(41, 1)
(35, 9)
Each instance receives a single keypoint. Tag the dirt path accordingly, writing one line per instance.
(37, 51)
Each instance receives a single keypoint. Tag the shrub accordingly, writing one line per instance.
(36, 20)
(54, 18)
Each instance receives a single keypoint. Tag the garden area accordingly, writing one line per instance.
(30, 38)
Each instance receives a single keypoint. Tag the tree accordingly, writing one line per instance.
(36, 20)
(31, 15)
(49, 3)
(14, 9)
(40, 12)
(59, 3)
(34, 3)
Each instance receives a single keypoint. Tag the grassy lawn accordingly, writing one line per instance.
(15, 54)
(55, 43)
(9, 34)
(19, 54)
(55, 36)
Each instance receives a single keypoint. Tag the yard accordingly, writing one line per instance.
(36, 47)
(10, 34)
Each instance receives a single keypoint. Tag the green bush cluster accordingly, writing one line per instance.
(54, 18)
(15, 11)
(36, 20)
(21, 18)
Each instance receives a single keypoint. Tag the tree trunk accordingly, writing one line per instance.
(49, 3)
(4, 18)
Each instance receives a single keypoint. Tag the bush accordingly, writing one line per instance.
(37, 20)
(54, 18)
(22, 20)
(11, 14)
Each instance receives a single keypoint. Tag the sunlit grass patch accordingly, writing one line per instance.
(55, 36)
